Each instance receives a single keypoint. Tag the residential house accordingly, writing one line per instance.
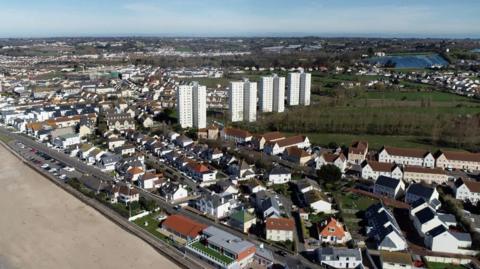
(316, 200)
(119, 121)
(279, 146)
(259, 141)
(338, 160)
(201, 172)
(183, 228)
(125, 194)
(230, 251)
(373, 170)
(297, 156)
(115, 143)
(357, 152)
(467, 190)
(384, 229)
(183, 141)
(242, 220)
(339, 258)
(390, 187)
(417, 174)
(236, 135)
(279, 229)
(66, 141)
(458, 160)
(418, 191)
(279, 175)
(215, 205)
(266, 205)
(134, 173)
(332, 232)
(126, 149)
(151, 180)
(404, 156)
(173, 191)
(108, 162)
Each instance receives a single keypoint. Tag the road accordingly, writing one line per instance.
(297, 261)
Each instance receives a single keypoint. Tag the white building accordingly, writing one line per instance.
(272, 94)
(405, 156)
(305, 88)
(235, 101)
(373, 170)
(467, 190)
(293, 90)
(390, 187)
(242, 98)
(192, 106)
(279, 229)
(339, 257)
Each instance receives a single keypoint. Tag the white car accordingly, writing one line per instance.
(53, 170)
(69, 169)
(45, 166)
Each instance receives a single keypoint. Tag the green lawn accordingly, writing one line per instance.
(417, 96)
(354, 201)
(5, 138)
(374, 141)
(197, 245)
(438, 265)
(152, 226)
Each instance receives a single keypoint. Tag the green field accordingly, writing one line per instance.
(153, 224)
(374, 141)
(438, 265)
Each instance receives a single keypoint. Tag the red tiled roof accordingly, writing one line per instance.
(236, 132)
(280, 224)
(290, 141)
(333, 228)
(415, 153)
(378, 166)
(462, 156)
(358, 147)
(183, 226)
(424, 170)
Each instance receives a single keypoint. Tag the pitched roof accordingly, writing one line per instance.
(420, 190)
(290, 141)
(461, 156)
(423, 170)
(183, 225)
(387, 182)
(333, 228)
(358, 147)
(236, 132)
(378, 166)
(272, 136)
(135, 170)
(280, 224)
(409, 152)
(473, 186)
(296, 152)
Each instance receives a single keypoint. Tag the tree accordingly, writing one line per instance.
(329, 173)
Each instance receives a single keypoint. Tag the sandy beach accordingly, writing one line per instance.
(42, 226)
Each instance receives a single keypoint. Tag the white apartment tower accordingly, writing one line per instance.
(272, 94)
(243, 101)
(235, 101)
(249, 101)
(299, 88)
(192, 106)
(305, 88)
(293, 94)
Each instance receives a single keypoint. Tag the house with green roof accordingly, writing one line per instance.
(242, 220)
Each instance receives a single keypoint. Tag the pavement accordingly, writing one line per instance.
(297, 261)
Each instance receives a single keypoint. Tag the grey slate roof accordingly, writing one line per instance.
(387, 182)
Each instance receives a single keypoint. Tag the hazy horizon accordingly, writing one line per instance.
(241, 18)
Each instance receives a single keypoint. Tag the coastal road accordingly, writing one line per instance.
(296, 261)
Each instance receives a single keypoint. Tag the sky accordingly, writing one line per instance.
(372, 18)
